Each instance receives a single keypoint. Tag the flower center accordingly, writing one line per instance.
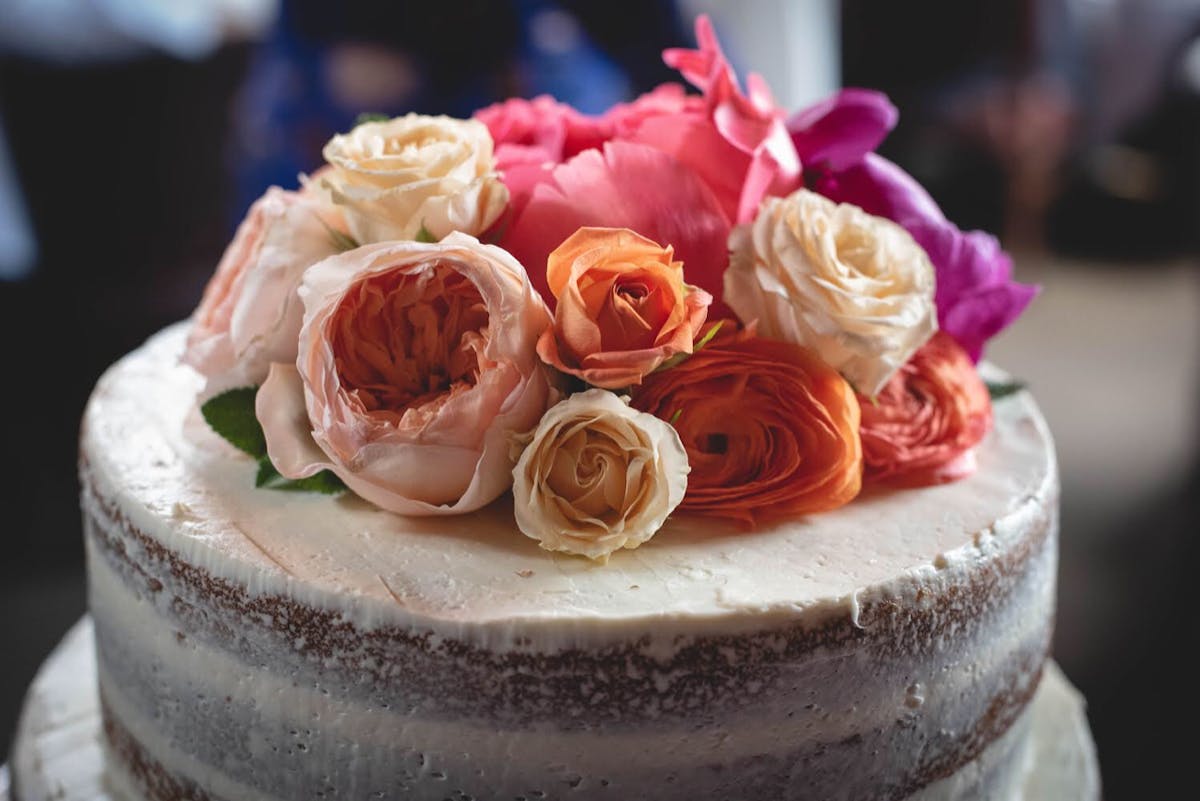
(401, 339)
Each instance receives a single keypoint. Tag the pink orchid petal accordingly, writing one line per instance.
(626, 185)
(837, 132)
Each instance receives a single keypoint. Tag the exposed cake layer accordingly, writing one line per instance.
(262, 645)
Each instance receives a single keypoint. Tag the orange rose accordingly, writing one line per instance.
(922, 426)
(770, 430)
(623, 308)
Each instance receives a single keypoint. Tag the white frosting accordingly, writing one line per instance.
(476, 578)
(58, 755)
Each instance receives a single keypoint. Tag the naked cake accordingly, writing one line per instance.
(548, 456)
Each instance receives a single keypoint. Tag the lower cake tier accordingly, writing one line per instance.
(211, 692)
(60, 746)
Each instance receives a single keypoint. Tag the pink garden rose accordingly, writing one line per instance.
(417, 363)
(976, 296)
(250, 315)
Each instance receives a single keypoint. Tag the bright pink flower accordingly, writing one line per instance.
(625, 185)
(542, 128)
(737, 143)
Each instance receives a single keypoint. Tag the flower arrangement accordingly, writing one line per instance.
(691, 303)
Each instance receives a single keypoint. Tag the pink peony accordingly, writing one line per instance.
(417, 363)
(625, 185)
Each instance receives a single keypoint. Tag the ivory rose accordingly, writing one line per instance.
(922, 426)
(393, 178)
(597, 476)
(770, 430)
(623, 308)
(416, 364)
(855, 288)
(250, 314)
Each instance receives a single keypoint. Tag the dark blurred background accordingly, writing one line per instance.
(134, 134)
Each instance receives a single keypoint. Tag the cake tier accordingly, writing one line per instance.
(266, 645)
(58, 753)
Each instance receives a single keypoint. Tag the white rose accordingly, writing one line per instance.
(854, 287)
(596, 476)
(394, 177)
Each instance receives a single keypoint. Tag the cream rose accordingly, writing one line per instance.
(855, 288)
(393, 178)
(250, 313)
(597, 476)
(417, 364)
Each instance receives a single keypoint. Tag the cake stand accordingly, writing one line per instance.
(58, 753)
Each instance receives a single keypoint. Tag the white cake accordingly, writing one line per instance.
(261, 645)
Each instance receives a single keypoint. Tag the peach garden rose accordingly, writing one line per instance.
(416, 364)
(623, 307)
(597, 476)
(250, 314)
(395, 177)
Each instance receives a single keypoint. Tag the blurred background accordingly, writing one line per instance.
(134, 134)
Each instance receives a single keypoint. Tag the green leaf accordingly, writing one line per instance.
(371, 116)
(324, 482)
(424, 235)
(231, 414)
(1002, 389)
(680, 358)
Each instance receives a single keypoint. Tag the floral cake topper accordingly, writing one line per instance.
(690, 304)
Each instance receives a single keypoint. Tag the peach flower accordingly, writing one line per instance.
(623, 308)
(417, 363)
(597, 476)
(770, 430)
(395, 177)
(250, 314)
(922, 427)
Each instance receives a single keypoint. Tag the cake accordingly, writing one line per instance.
(486, 469)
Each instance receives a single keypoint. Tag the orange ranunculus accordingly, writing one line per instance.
(770, 430)
(922, 426)
(623, 308)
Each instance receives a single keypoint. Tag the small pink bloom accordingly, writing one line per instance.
(416, 364)
(624, 186)
(250, 315)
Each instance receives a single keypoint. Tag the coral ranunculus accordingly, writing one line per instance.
(416, 365)
(770, 430)
(623, 308)
(921, 428)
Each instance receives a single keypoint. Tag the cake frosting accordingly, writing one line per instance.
(262, 645)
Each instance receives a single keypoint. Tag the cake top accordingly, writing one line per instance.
(181, 484)
(692, 304)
